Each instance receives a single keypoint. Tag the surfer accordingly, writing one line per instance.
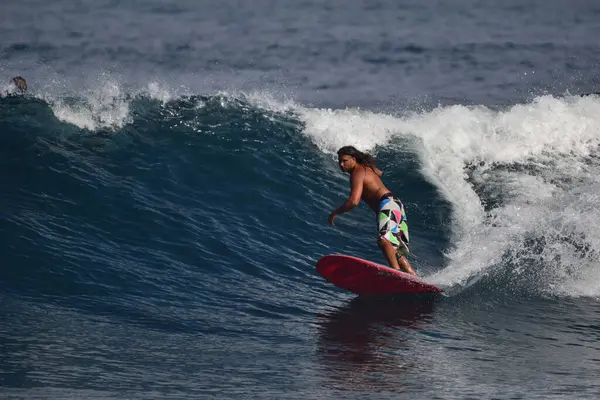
(365, 183)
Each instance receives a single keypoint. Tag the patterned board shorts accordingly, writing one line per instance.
(391, 222)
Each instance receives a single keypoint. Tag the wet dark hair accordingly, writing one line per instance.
(363, 159)
(20, 83)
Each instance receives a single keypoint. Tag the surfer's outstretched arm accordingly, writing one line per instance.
(357, 182)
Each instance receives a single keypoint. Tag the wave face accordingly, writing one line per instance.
(205, 215)
(166, 179)
(257, 176)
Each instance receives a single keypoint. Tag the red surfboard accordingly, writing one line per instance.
(368, 278)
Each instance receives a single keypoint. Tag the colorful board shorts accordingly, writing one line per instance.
(391, 222)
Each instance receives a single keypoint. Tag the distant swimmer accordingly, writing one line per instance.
(366, 184)
(16, 86)
(19, 85)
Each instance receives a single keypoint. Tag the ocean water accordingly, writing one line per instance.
(166, 182)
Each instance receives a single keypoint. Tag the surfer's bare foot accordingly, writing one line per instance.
(407, 268)
(395, 260)
(405, 265)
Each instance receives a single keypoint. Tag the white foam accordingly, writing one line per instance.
(105, 104)
(273, 101)
(547, 143)
(102, 107)
(159, 91)
(551, 135)
(7, 89)
(547, 190)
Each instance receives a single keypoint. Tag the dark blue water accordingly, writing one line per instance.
(167, 177)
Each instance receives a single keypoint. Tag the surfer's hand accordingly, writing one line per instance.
(332, 217)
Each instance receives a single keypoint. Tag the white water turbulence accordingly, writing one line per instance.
(524, 184)
(103, 107)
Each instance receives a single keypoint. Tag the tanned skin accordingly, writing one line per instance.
(366, 184)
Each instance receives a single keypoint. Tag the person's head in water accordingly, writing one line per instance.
(20, 84)
(349, 156)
